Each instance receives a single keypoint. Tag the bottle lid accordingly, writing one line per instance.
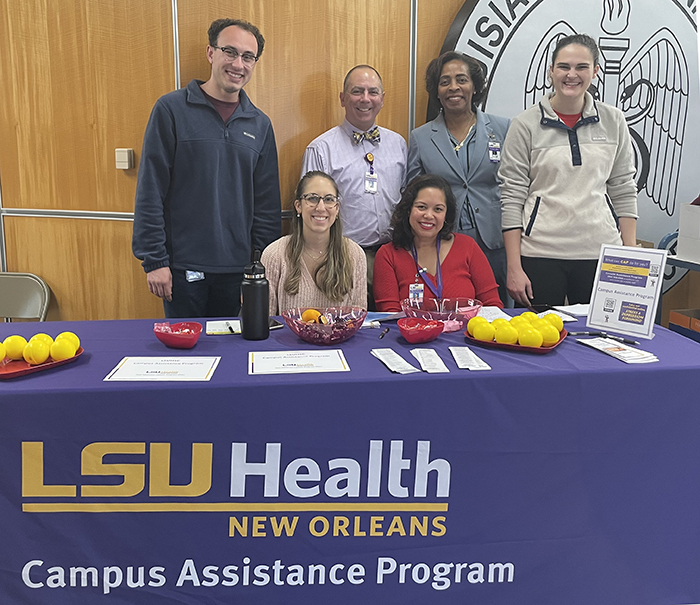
(256, 269)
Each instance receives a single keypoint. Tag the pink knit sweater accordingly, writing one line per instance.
(276, 268)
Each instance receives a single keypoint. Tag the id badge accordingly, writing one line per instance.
(494, 151)
(370, 182)
(415, 293)
(191, 276)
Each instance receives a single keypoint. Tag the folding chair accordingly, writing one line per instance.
(23, 296)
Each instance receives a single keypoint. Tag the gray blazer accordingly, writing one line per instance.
(431, 152)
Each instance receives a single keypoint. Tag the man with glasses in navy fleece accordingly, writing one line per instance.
(208, 184)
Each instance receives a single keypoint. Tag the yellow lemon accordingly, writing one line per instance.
(529, 315)
(499, 321)
(518, 321)
(62, 348)
(506, 334)
(36, 352)
(555, 320)
(524, 325)
(530, 338)
(475, 321)
(14, 346)
(70, 336)
(43, 338)
(484, 331)
(550, 335)
(538, 322)
(2, 352)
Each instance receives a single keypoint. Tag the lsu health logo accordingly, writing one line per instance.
(648, 68)
(386, 492)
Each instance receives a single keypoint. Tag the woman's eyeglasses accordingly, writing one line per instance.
(329, 201)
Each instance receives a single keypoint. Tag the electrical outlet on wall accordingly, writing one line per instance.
(124, 158)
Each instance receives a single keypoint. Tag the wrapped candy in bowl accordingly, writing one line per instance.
(453, 312)
(417, 330)
(325, 326)
(182, 335)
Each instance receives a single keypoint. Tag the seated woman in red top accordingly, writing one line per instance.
(425, 259)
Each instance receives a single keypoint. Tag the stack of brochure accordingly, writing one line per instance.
(619, 350)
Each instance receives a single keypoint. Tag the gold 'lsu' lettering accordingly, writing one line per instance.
(133, 474)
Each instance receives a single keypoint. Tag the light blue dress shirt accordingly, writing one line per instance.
(365, 216)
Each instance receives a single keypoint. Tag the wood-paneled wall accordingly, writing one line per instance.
(79, 78)
(88, 264)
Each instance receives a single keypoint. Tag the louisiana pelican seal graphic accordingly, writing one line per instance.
(648, 69)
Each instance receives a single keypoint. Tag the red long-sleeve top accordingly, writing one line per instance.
(466, 273)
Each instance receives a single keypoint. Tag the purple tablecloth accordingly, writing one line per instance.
(566, 478)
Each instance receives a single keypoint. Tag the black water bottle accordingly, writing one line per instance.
(255, 297)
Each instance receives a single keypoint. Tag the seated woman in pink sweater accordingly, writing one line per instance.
(315, 266)
(425, 259)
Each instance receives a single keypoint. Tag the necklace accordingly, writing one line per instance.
(472, 122)
(318, 253)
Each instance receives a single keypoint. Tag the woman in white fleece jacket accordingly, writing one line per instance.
(568, 186)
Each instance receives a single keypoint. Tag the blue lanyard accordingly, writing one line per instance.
(436, 290)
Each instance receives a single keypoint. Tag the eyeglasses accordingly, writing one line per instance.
(329, 201)
(233, 54)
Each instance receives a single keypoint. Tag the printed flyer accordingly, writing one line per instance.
(627, 290)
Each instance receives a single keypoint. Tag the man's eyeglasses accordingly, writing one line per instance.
(329, 201)
(233, 54)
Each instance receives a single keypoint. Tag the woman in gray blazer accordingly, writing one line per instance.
(463, 145)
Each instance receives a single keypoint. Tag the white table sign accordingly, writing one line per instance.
(164, 369)
(626, 290)
(296, 362)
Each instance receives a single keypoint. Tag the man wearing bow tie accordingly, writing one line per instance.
(367, 161)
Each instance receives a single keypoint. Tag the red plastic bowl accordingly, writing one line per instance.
(183, 335)
(416, 330)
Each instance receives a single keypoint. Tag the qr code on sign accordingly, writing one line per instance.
(609, 305)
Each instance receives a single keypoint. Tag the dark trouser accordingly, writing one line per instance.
(217, 295)
(499, 265)
(370, 253)
(554, 280)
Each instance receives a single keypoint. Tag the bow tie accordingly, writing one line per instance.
(371, 135)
